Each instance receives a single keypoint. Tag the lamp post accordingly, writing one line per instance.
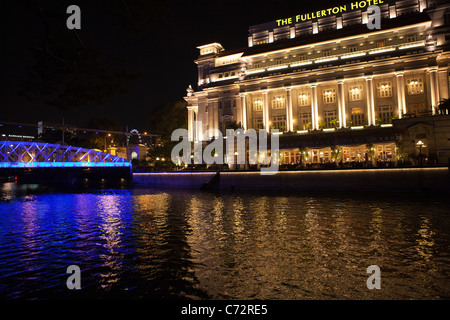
(420, 145)
(109, 135)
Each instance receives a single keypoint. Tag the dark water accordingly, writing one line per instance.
(181, 244)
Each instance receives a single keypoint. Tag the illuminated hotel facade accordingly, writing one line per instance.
(332, 85)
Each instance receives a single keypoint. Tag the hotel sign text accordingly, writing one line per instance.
(328, 12)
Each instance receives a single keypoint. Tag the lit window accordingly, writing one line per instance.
(257, 42)
(384, 89)
(278, 102)
(411, 38)
(357, 116)
(355, 93)
(257, 105)
(259, 123)
(305, 120)
(415, 86)
(386, 113)
(352, 48)
(329, 96)
(330, 117)
(304, 99)
(381, 44)
(279, 122)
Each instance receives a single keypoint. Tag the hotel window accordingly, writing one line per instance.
(259, 123)
(411, 38)
(416, 108)
(381, 43)
(355, 93)
(352, 48)
(257, 42)
(305, 120)
(302, 57)
(415, 86)
(326, 53)
(279, 122)
(329, 116)
(329, 96)
(257, 105)
(256, 65)
(447, 19)
(386, 113)
(384, 89)
(357, 116)
(304, 99)
(278, 102)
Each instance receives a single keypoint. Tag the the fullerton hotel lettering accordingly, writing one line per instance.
(327, 12)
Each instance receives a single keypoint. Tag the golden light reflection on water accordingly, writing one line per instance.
(151, 223)
(233, 245)
(425, 241)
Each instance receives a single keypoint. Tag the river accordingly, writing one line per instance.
(184, 244)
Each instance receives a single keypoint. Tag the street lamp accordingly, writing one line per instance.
(109, 135)
(420, 145)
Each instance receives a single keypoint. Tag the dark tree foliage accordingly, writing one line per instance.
(168, 117)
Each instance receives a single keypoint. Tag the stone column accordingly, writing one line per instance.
(434, 86)
(289, 118)
(341, 104)
(265, 108)
(191, 123)
(197, 127)
(443, 83)
(216, 115)
(370, 101)
(401, 100)
(314, 107)
(244, 110)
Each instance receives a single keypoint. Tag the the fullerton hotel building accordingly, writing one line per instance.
(333, 85)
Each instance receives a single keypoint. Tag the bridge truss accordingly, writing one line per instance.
(21, 154)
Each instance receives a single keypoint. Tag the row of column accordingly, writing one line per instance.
(340, 97)
(213, 112)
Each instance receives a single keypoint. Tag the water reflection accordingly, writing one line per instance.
(110, 228)
(180, 244)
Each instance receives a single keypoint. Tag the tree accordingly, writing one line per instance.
(233, 125)
(98, 140)
(160, 154)
(335, 152)
(303, 155)
(334, 123)
(371, 152)
(167, 117)
(307, 125)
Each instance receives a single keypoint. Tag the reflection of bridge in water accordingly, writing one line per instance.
(36, 162)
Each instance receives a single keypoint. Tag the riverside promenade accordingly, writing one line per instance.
(415, 179)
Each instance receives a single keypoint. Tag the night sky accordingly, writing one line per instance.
(161, 51)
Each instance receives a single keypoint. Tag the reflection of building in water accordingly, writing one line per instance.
(335, 88)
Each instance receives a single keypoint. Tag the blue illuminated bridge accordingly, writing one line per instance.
(36, 162)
